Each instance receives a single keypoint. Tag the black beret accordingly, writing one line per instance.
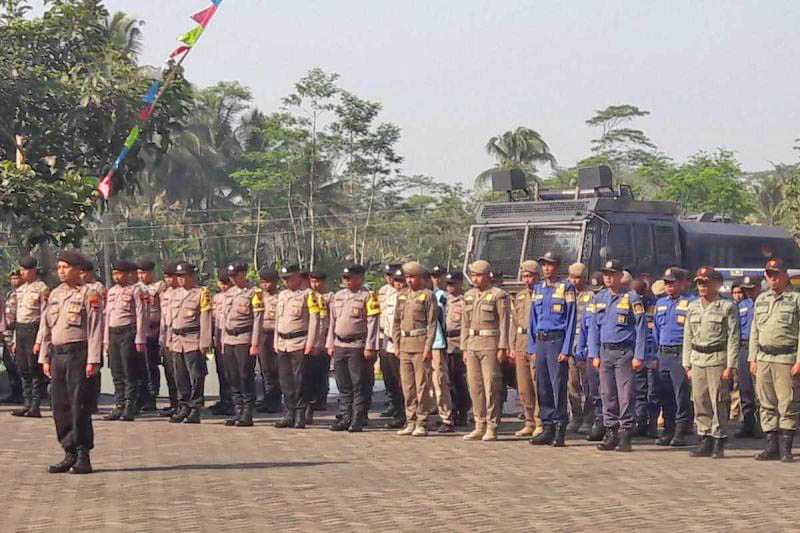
(123, 265)
(438, 270)
(268, 274)
(28, 263)
(184, 268)
(223, 276)
(353, 270)
(170, 268)
(88, 265)
(72, 257)
(317, 274)
(289, 270)
(234, 268)
(398, 274)
(390, 268)
(455, 277)
(550, 257)
(148, 265)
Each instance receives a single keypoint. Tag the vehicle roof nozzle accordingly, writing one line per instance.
(597, 177)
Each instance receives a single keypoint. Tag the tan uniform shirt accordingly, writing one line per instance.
(126, 306)
(776, 323)
(192, 321)
(384, 296)
(31, 302)
(455, 311)
(414, 327)
(520, 319)
(153, 292)
(270, 312)
(10, 311)
(294, 319)
(242, 318)
(165, 333)
(322, 310)
(354, 319)
(711, 326)
(73, 315)
(486, 318)
(387, 319)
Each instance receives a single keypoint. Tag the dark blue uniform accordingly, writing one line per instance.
(746, 388)
(647, 385)
(617, 335)
(552, 332)
(582, 355)
(675, 390)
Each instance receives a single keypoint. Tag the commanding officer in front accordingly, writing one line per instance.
(551, 340)
(774, 357)
(72, 342)
(617, 342)
(31, 298)
(710, 354)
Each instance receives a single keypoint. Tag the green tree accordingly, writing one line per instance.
(620, 145)
(522, 149)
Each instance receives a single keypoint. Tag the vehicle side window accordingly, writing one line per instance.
(618, 244)
(643, 244)
(665, 247)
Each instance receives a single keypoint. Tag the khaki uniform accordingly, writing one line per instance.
(296, 329)
(126, 322)
(414, 331)
(389, 362)
(518, 343)
(241, 330)
(191, 338)
(774, 345)
(31, 301)
(710, 344)
(354, 328)
(484, 331)
(71, 336)
(458, 369)
(267, 359)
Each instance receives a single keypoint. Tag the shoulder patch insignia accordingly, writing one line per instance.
(683, 304)
(257, 301)
(468, 299)
(638, 308)
(206, 304)
(93, 297)
(489, 297)
(570, 297)
(373, 305)
(522, 296)
(560, 290)
(422, 297)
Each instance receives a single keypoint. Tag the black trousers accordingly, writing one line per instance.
(268, 367)
(295, 379)
(390, 368)
(126, 365)
(219, 365)
(317, 367)
(348, 367)
(190, 376)
(368, 383)
(72, 396)
(459, 391)
(152, 360)
(33, 379)
(14, 379)
(240, 369)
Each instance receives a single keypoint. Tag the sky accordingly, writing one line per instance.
(453, 74)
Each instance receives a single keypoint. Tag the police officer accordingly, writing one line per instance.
(319, 361)
(458, 370)
(192, 325)
(592, 376)
(484, 341)
(153, 288)
(675, 393)
(352, 341)
(124, 338)
(617, 341)
(165, 332)
(710, 352)
(9, 311)
(518, 344)
(580, 403)
(774, 356)
(441, 361)
(241, 341)
(88, 279)
(224, 406)
(551, 340)
(749, 287)
(414, 330)
(31, 298)
(267, 361)
(394, 405)
(71, 337)
(646, 396)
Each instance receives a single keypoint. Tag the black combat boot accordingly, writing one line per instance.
(770, 452)
(35, 411)
(300, 418)
(460, 419)
(573, 426)
(610, 440)
(22, 411)
(560, 436)
(237, 413)
(167, 412)
(641, 427)
(719, 448)
(309, 414)
(787, 438)
(287, 421)
(652, 428)
(597, 432)
(357, 426)
(193, 417)
(625, 441)
(667, 434)
(180, 415)
(129, 414)
(747, 428)
(83, 465)
(446, 428)
(681, 435)
(398, 422)
(546, 437)
(705, 449)
(341, 424)
(389, 411)
(15, 398)
(70, 457)
(115, 413)
(246, 420)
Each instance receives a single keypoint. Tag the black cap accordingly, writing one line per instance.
(289, 270)
(236, 267)
(456, 278)
(750, 282)
(390, 268)
(268, 274)
(550, 257)
(708, 273)
(612, 265)
(775, 264)
(123, 265)
(317, 274)
(88, 265)
(398, 274)
(28, 263)
(72, 258)
(222, 275)
(596, 281)
(675, 274)
(438, 270)
(170, 268)
(184, 268)
(147, 265)
(353, 270)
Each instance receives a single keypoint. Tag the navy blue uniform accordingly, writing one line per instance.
(592, 384)
(675, 391)
(617, 335)
(551, 333)
(746, 386)
(647, 383)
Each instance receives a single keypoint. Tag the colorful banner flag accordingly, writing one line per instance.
(120, 158)
(216, 2)
(190, 37)
(150, 97)
(145, 112)
(204, 16)
(131, 140)
(105, 186)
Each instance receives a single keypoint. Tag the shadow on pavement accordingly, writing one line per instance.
(229, 466)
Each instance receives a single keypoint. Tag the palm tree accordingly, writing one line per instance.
(523, 149)
(124, 33)
(768, 189)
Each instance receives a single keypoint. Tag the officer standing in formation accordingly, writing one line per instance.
(31, 299)
(458, 369)
(168, 297)
(320, 362)
(9, 318)
(518, 346)
(748, 289)
(394, 282)
(219, 303)
(267, 360)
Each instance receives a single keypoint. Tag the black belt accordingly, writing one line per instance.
(31, 325)
(122, 329)
(70, 347)
(618, 345)
(238, 331)
(453, 333)
(351, 338)
(714, 348)
(778, 350)
(185, 331)
(554, 335)
(294, 335)
(671, 349)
